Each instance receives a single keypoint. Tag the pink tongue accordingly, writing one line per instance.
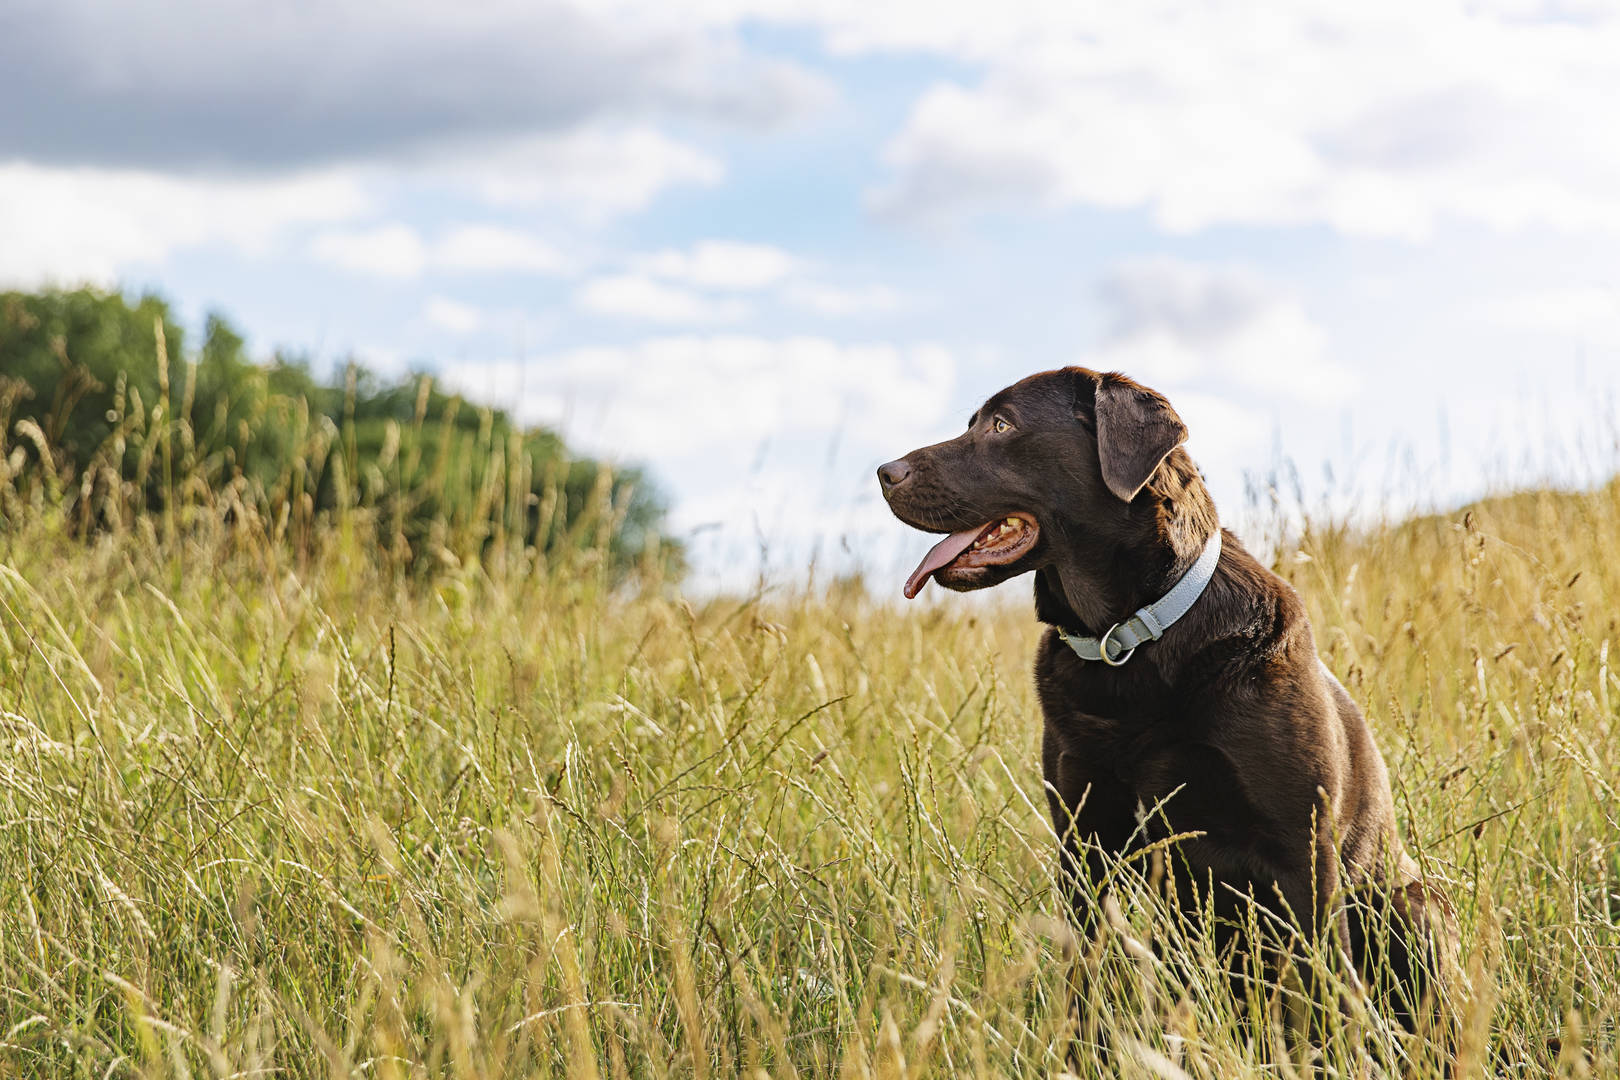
(938, 555)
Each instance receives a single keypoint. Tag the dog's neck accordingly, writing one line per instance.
(1104, 580)
(1087, 598)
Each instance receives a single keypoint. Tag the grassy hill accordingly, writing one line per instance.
(312, 818)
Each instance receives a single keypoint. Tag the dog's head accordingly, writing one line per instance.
(1054, 462)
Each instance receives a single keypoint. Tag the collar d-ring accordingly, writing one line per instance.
(1102, 647)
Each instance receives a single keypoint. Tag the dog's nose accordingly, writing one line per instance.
(893, 475)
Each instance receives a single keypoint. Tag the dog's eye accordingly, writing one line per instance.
(999, 425)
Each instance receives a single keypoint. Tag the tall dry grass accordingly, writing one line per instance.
(273, 815)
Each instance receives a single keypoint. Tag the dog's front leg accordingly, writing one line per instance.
(1093, 816)
(1092, 813)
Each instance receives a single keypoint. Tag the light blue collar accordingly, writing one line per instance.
(1149, 623)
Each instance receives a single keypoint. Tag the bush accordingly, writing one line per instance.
(104, 412)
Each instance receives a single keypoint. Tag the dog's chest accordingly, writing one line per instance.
(1145, 741)
(1092, 715)
(1085, 730)
(1116, 744)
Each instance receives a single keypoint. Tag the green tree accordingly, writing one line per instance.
(121, 404)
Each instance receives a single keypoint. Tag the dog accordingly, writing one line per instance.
(1178, 677)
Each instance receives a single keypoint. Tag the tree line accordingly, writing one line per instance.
(109, 415)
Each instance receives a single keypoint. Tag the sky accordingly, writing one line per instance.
(762, 246)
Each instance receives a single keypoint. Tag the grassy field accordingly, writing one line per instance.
(267, 815)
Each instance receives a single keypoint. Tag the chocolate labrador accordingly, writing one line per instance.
(1207, 712)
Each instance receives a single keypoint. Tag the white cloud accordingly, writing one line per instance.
(721, 264)
(492, 248)
(1225, 434)
(1377, 118)
(89, 224)
(838, 302)
(76, 225)
(1589, 314)
(1174, 323)
(598, 172)
(393, 250)
(452, 315)
(735, 266)
(553, 105)
(633, 296)
(211, 83)
(726, 394)
(398, 250)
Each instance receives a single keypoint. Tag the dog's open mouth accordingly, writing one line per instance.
(996, 544)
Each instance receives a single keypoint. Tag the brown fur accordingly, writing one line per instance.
(1230, 720)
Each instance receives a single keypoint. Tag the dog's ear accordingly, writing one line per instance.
(1136, 429)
